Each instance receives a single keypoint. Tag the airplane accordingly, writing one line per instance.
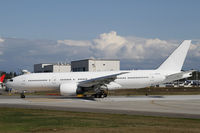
(98, 83)
(1, 81)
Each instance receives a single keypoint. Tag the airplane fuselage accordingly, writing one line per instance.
(43, 81)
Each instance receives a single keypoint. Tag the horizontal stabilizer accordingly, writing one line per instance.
(178, 76)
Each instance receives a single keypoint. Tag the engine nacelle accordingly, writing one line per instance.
(70, 89)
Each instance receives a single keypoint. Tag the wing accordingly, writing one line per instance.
(100, 80)
(178, 76)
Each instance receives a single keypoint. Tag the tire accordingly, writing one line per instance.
(98, 95)
(22, 96)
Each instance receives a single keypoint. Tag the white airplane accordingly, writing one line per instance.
(98, 83)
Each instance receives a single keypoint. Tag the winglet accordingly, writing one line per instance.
(175, 61)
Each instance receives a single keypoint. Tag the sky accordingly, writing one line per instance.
(140, 33)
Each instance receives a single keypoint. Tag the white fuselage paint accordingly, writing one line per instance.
(45, 81)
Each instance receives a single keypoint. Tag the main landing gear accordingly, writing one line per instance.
(101, 94)
(22, 95)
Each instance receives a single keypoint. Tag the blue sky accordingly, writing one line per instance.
(85, 19)
(42, 23)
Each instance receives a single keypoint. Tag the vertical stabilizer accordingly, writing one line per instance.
(175, 61)
(2, 78)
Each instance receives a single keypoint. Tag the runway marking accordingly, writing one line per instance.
(43, 100)
(153, 102)
(166, 106)
(52, 100)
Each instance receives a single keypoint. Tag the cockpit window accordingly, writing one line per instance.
(11, 80)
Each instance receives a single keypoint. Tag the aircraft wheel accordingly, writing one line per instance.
(22, 95)
(98, 95)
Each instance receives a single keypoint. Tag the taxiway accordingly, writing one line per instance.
(184, 106)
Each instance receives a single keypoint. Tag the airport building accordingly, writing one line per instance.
(60, 67)
(95, 65)
(38, 68)
(92, 65)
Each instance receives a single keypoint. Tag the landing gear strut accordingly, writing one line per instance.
(22, 95)
(101, 94)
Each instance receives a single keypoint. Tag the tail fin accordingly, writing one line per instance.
(175, 61)
(2, 78)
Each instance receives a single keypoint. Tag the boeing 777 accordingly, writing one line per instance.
(98, 83)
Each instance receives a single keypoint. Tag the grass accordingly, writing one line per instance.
(157, 91)
(15, 120)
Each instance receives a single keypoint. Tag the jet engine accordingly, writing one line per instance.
(69, 89)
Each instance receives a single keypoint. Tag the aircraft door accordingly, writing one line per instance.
(152, 79)
(53, 80)
(23, 82)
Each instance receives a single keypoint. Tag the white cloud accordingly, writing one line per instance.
(155, 42)
(2, 40)
(112, 45)
(109, 41)
(195, 49)
(106, 45)
(74, 43)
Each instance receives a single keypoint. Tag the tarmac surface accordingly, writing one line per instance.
(183, 106)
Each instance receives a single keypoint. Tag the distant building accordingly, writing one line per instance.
(1, 72)
(58, 68)
(93, 65)
(38, 68)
